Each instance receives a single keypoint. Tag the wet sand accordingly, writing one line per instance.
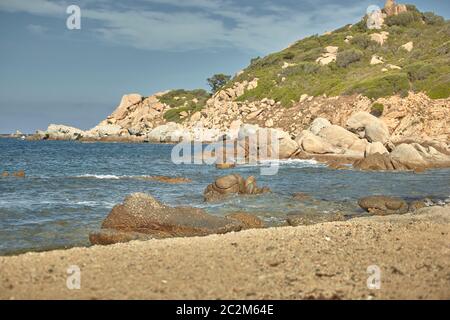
(325, 261)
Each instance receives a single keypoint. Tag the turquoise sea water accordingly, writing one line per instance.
(70, 188)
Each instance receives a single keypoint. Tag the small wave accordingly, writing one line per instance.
(102, 176)
(287, 162)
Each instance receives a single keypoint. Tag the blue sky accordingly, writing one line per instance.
(49, 74)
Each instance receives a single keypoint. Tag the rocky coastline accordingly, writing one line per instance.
(395, 141)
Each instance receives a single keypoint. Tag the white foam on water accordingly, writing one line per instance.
(101, 176)
(304, 163)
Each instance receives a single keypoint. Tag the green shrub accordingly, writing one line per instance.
(183, 100)
(361, 26)
(444, 49)
(445, 30)
(310, 68)
(441, 88)
(361, 40)
(178, 98)
(396, 30)
(420, 71)
(289, 56)
(412, 8)
(377, 109)
(304, 68)
(217, 81)
(433, 19)
(255, 61)
(347, 57)
(382, 86)
(403, 19)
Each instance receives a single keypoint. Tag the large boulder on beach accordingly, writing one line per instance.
(287, 146)
(315, 144)
(266, 139)
(61, 132)
(342, 138)
(405, 157)
(167, 133)
(368, 126)
(141, 216)
(408, 154)
(383, 205)
(318, 124)
(107, 130)
(417, 156)
(233, 184)
(378, 162)
(375, 147)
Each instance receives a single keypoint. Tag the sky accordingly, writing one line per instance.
(50, 74)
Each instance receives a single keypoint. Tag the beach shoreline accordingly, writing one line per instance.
(323, 261)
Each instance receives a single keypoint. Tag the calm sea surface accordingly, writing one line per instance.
(70, 188)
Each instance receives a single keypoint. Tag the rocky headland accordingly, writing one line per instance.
(375, 92)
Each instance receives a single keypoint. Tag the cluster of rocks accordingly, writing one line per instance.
(16, 174)
(405, 156)
(386, 205)
(142, 217)
(367, 139)
(232, 185)
(364, 134)
(329, 56)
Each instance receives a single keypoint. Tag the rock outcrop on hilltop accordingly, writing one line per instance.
(393, 9)
(376, 18)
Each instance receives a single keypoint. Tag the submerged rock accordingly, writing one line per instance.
(417, 205)
(383, 205)
(109, 236)
(143, 217)
(232, 184)
(224, 166)
(19, 174)
(170, 180)
(5, 174)
(296, 220)
(300, 196)
(248, 221)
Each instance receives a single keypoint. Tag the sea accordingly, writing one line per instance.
(70, 187)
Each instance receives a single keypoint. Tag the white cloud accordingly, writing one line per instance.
(37, 29)
(38, 7)
(199, 24)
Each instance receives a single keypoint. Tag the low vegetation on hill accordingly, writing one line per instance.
(184, 102)
(426, 68)
(286, 75)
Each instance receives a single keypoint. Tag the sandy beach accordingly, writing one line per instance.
(324, 261)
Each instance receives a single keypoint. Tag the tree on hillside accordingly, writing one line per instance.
(217, 81)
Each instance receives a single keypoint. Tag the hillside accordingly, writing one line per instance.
(373, 62)
(411, 52)
(394, 63)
